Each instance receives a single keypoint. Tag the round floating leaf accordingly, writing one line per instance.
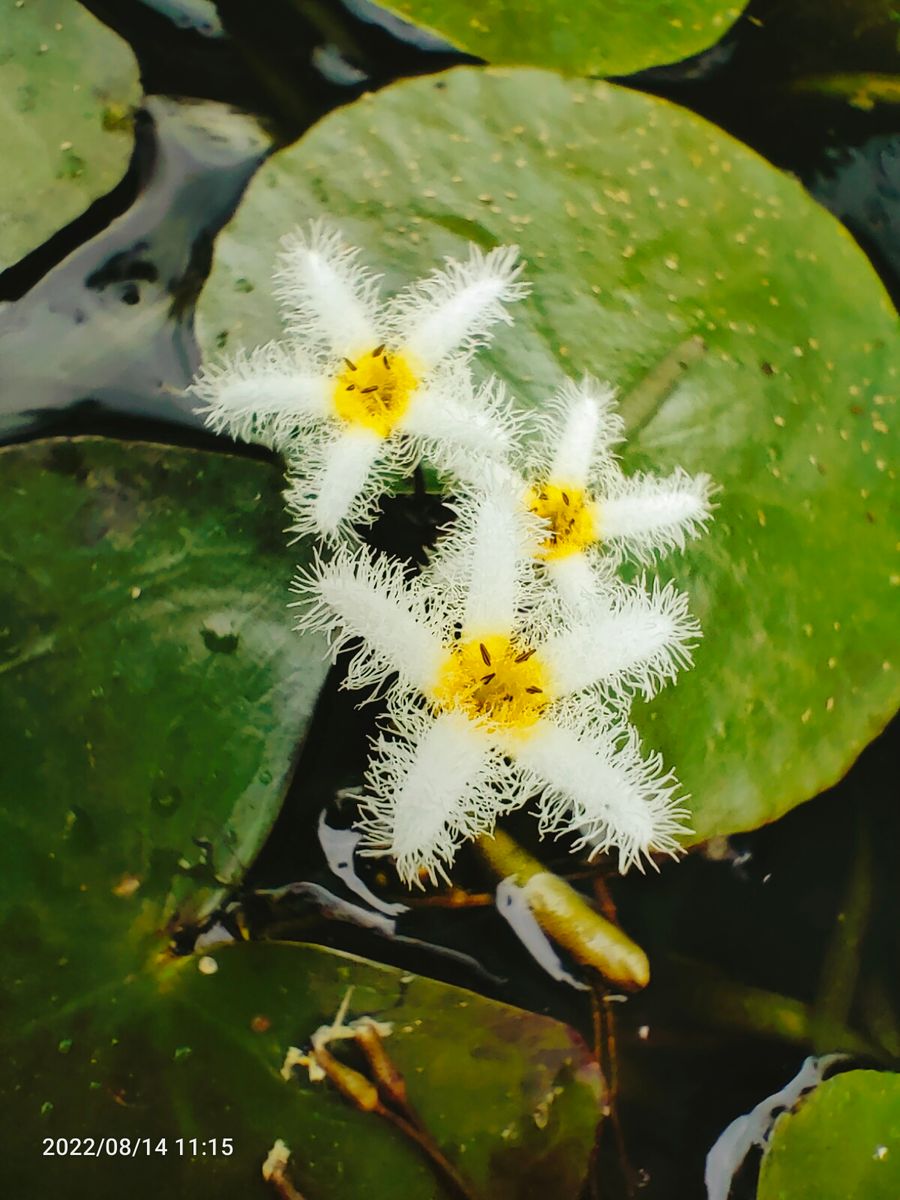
(598, 37)
(841, 1143)
(67, 88)
(153, 692)
(748, 337)
(198, 1053)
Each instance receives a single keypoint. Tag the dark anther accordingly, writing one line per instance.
(351, 365)
(366, 391)
(384, 359)
(488, 678)
(485, 657)
(565, 498)
(378, 350)
(525, 655)
(534, 691)
(351, 387)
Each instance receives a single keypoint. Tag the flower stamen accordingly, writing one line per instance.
(511, 697)
(569, 515)
(383, 388)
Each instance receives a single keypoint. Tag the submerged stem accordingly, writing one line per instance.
(565, 916)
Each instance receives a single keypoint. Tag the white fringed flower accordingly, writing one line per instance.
(489, 701)
(360, 390)
(594, 514)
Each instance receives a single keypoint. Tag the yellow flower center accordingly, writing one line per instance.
(495, 681)
(569, 515)
(374, 390)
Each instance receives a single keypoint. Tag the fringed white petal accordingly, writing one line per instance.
(642, 514)
(493, 545)
(428, 791)
(337, 481)
(266, 395)
(633, 639)
(602, 790)
(327, 295)
(354, 596)
(465, 431)
(578, 582)
(453, 309)
(351, 461)
(589, 428)
(571, 436)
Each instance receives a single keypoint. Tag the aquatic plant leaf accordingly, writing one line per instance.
(67, 89)
(842, 1141)
(153, 698)
(598, 37)
(747, 334)
(198, 1053)
(154, 693)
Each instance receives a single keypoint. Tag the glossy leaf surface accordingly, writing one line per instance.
(841, 1142)
(67, 89)
(748, 337)
(598, 37)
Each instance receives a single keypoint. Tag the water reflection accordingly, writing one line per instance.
(113, 322)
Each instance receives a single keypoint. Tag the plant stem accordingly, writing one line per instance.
(565, 916)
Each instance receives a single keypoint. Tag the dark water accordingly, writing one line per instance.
(114, 294)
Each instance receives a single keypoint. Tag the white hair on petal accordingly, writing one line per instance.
(348, 471)
(642, 515)
(634, 639)
(572, 434)
(326, 293)
(464, 431)
(598, 787)
(263, 395)
(452, 310)
(589, 427)
(312, 464)
(436, 783)
(499, 548)
(582, 584)
(484, 564)
(355, 596)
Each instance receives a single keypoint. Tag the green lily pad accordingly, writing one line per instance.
(748, 336)
(841, 1143)
(67, 88)
(184, 1053)
(154, 694)
(598, 37)
(153, 697)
